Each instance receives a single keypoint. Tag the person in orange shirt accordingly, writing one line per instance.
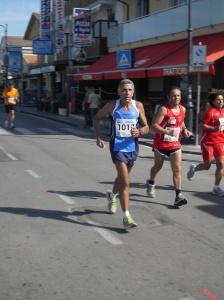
(212, 142)
(11, 98)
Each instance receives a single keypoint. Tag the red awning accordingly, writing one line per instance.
(165, 59)
(176, 63)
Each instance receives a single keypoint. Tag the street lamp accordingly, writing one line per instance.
(189, 103)
(6, 51)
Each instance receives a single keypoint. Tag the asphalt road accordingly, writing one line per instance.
(59, 242)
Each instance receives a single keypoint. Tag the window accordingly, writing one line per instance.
(142, 8)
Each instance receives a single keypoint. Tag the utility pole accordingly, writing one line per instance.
(5, 27)
(189, 103)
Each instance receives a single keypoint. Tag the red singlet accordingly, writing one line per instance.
(173, 121)
(213, 117)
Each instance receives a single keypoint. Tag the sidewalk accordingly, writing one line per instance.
(79, 122)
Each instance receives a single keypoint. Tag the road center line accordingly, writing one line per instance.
(12, 157)
(33, 174)
(66, 199)
(106, 234)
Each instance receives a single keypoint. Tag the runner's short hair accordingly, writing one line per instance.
(125, 81)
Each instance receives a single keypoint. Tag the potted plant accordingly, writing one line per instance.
(62, 107)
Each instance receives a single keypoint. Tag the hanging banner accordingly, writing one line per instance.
(59, 24)
(82, 26)
(45, 11)
(14, 60)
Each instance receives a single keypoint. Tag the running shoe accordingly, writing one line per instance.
(6, 124)
(12, 125)
(191, 172)
(112, 202)
(129, 222)
(150, 189)
(218, 191)
(180, 200)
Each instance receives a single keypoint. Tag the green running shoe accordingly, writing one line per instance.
(112, 202)
(129, 222)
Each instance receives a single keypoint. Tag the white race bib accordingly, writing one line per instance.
(221, 122)
(11, 100)
(175, 137)
(172, 121)
(124, 126)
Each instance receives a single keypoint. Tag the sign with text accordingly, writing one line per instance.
(45, 6)
(59, 24)
(42, 47)
(82, 26)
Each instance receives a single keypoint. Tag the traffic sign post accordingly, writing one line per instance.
(199, 65)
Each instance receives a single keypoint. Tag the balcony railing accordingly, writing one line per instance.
(204, 13)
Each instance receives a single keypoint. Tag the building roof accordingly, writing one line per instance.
(33, 27)
(18, 41)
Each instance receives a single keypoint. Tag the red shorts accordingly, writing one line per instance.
(208, 151)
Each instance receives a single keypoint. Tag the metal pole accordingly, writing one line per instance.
(6, 53)
(198, 107)
(189, 103)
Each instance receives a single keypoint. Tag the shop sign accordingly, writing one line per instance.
(177, 71)
(42, 47)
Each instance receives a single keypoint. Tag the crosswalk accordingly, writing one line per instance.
(37, 131)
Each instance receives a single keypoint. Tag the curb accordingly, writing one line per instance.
(73, 123)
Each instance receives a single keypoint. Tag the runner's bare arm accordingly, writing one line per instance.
(144, 128)
(158, 119)
(103, 113)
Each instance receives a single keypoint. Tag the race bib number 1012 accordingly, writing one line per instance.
(124, 126)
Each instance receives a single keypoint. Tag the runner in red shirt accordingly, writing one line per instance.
(212, 142)
(168, 126)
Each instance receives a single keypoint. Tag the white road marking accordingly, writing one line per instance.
(187, 299)
(106, 234)
(4, 132)
(66, 199)
(47, 130)
(23, 130)
(33, 174)
(12, 157)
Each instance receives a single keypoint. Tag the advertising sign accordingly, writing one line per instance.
(45, 6)
(82, 26)
(14, 60)
(59, 24)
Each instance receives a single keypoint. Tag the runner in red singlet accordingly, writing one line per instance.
(168, 126)
(212, 142)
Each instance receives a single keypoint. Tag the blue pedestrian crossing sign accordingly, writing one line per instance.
(124, 59)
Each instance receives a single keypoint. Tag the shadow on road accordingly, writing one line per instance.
(216, 208)
(150, 202)
(80, 194)
(60, 216)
